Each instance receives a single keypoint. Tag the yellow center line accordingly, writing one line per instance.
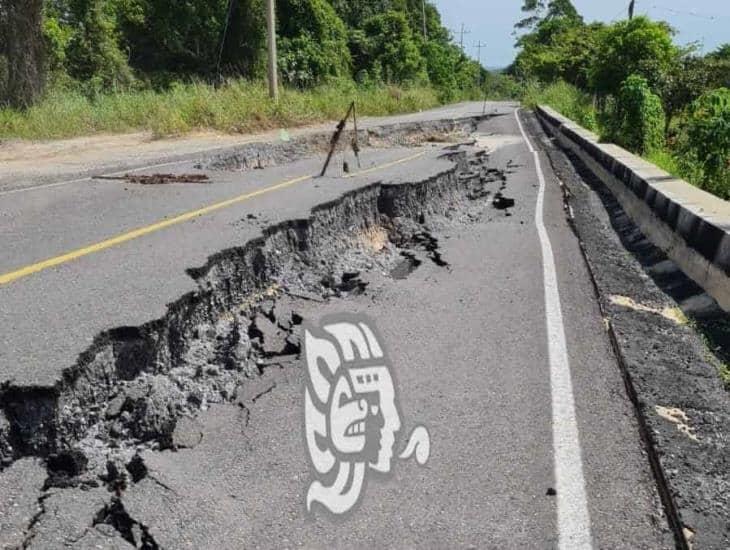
(7, 278)
(369, 170)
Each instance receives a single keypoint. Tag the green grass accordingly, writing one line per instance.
(715, 333)
(564, 98)
(237, 107)
(691, 171)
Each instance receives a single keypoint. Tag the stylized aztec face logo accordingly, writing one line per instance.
(351, 412)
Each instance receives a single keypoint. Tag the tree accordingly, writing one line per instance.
(686, 79)
(244, 47)
(354, 14)
(568, 55)
(93, 53)
(391, 49)
(313, 42)
(21, 29)
(640, 46)
(719, 67)
(542, 11)
(558, 46)
(721, 53)
(179, 38)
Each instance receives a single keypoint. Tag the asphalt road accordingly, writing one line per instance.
(477, 349)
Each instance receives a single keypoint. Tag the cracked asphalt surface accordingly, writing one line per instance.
(468, 343)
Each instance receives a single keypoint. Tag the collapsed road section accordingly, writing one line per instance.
(135, 386)
(134, 382)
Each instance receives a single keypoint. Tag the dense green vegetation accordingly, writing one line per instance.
(71, 67)
(633, 85)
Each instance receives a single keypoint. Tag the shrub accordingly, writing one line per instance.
(392, 47)
(707, 139)
(638, 121)
(500, 86)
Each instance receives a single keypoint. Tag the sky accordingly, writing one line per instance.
(492, 21)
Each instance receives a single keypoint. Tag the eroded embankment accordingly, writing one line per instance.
(132, 387)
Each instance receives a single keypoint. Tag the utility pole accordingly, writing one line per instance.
(423, 10)
(273, 69)
(463, 32)
(479, 45)
(631, 9)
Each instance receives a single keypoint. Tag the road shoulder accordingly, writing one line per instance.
(683, 410)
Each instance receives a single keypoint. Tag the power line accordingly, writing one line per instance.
(618, 13)
(479, 45)
(709, 17)
(462, 32)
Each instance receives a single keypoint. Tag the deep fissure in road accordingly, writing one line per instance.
(135, 387)
(257, 156)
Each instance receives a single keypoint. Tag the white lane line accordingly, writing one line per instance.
(89, 178)
(46, 186)
(202, 152)
(574, 524)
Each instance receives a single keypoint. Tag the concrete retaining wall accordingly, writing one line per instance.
(690, 225)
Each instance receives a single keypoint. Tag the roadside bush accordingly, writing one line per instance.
(500, 86)
(638, 121)
(707, 139)
(238, 106)
(440, 62)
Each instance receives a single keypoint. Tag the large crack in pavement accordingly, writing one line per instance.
(257, 156)
(140, 388)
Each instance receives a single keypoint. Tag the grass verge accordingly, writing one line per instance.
(237, 107)
(564, 98)
(716, 335)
